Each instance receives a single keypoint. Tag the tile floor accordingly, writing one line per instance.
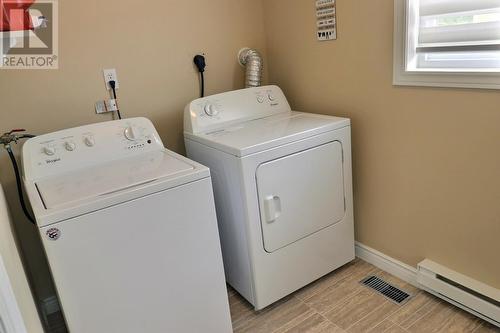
(338, 303)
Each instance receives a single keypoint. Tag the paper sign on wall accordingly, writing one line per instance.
(326, 20)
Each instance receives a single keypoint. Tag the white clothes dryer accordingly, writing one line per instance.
(283, 189)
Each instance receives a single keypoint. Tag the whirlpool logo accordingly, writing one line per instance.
(53, 234)
(55, 160)
(29, 34)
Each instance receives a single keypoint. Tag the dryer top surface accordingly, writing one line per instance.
(258, 135)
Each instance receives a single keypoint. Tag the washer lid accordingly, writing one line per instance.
(100, 182)
(265, 133)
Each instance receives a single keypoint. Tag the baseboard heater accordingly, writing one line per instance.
(471, 295)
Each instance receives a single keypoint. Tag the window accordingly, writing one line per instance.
(449, 43)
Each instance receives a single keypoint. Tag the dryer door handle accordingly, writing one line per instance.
(272, 208)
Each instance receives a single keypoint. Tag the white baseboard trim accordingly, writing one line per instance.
(388, 264)
(407, 274)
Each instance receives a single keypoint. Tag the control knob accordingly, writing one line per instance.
(211, 110)
(49, 151)
(70, 146)
(89, 141)
(132, 133)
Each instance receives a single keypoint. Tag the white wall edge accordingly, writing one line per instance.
(10, 315)
(390, 265)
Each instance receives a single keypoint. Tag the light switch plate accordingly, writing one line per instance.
(106, 106)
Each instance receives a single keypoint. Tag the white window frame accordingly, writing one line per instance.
(431, 78)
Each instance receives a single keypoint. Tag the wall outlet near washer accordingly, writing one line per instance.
(110, 75)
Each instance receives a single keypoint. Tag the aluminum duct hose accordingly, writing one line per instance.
(252, 60)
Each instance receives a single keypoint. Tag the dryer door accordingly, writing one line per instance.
(300, 194)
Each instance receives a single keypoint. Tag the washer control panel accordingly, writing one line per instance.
(85, 146)
(222, 110)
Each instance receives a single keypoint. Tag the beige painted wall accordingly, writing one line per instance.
(427, 164)
(152, 48)
(426, 160)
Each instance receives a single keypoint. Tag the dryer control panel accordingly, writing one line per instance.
(219, 111)
(81, 147)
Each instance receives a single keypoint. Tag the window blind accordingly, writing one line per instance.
(458, 25)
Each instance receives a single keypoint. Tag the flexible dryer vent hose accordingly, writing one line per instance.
(252, 60)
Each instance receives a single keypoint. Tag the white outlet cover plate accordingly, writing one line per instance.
(106, 106)
(110, 75)
(100, 107)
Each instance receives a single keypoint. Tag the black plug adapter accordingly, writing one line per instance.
(200, 63)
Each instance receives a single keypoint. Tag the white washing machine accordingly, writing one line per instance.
(283, 189)
(129, 229)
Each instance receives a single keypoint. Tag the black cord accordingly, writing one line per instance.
(19, 184)
(118, 110)
(202, 79)
(113, 87)
(199, 61)
(27, 136)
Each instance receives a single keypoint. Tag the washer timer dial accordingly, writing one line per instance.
(132, 133)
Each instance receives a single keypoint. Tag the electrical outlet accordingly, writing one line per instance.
(110, 75)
